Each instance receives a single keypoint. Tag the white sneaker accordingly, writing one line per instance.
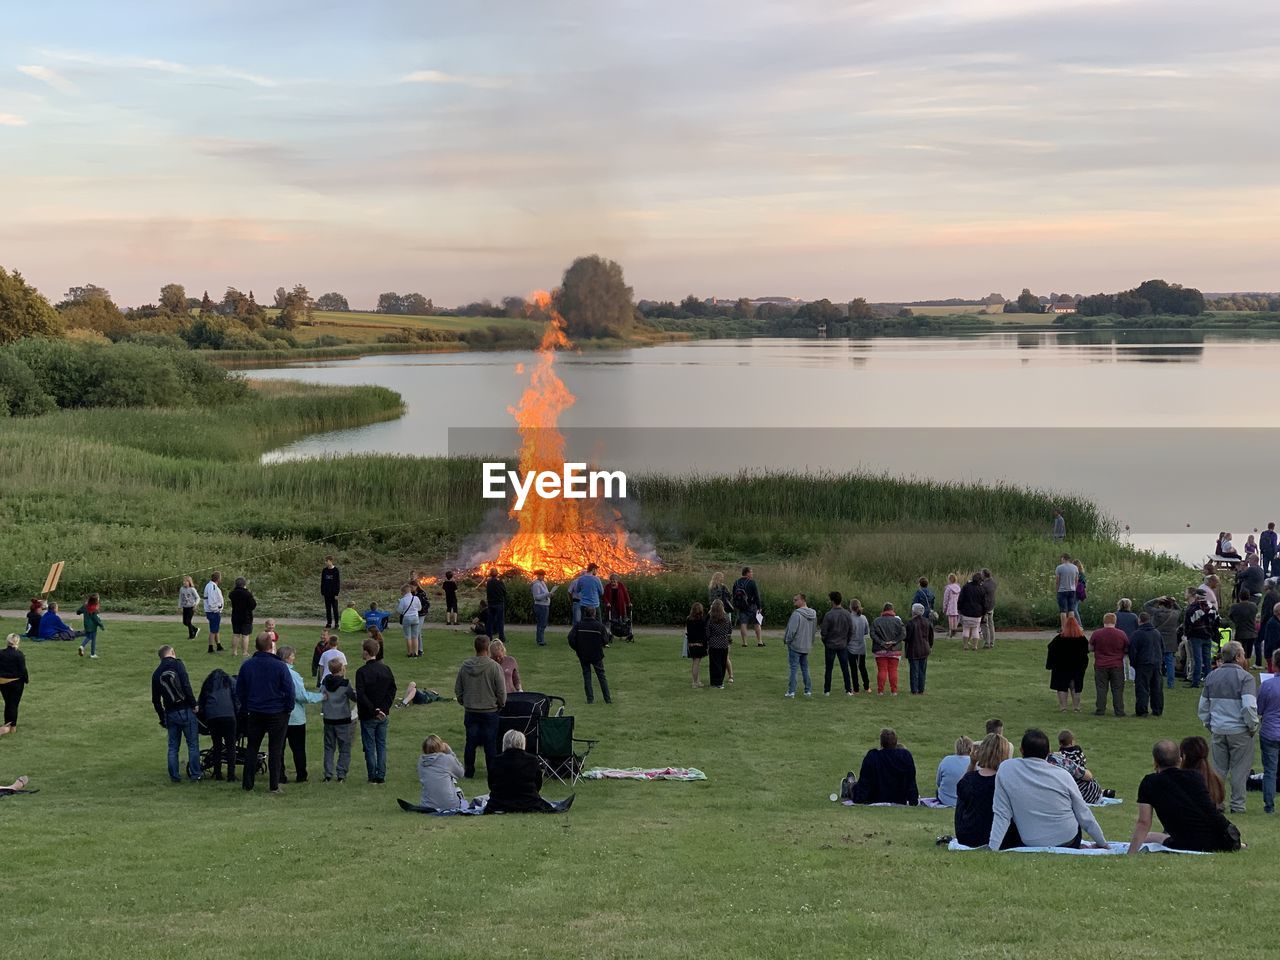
(825, 693)
(788, 696)
(808, 693)
(93, 656)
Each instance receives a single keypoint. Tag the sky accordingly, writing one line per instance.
(891, 149)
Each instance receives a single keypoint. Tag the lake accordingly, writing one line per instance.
(1170, 432)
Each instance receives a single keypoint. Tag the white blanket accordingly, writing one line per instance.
(1111, 849)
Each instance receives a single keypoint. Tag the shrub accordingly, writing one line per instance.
(160, 341)
(20, 392)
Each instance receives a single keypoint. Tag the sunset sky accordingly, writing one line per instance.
(891, 149)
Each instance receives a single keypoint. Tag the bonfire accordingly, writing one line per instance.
(557, 535)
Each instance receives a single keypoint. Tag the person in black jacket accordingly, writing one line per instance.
(13, 680)
(495, 595)
(972, 606)
(175, 705)
(330, 587)
(242, 606)
(888, 775)
(217, 708)
(375, 692)
(587, 638)
(515, 779)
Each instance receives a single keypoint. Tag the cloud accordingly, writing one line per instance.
(12, 120)
(1155, 73)
(49, 76)
(152, 65)
(454, 79)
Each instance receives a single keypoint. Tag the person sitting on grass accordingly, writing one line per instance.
(1195, 756)
(951, 771)
(33, 618)
(515, 779)
(976, 792)
(480, 622)
(351, 621)
(888, 775)
(1181, 801)
(1070, 757)
(439, 772)
(1041, 800)
(373, 617)
(52, 627)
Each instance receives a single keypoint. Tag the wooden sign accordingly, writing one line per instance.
(51, 581)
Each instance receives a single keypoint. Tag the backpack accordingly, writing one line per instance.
(1080, 592)
(847, 785)
(739, 598)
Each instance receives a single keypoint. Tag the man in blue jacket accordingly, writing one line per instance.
(265, 689)
(175, 704)
(52, 626)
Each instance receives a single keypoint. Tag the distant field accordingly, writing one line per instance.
(368, 327)
(945, 311)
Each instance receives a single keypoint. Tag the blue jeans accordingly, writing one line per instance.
(795, 660)
(373, 738)
(182, 723)
(1199, 654)
(577, 611)
(482, 731)
(1168, 670)
(917, 668)
(497, 617)
(1270, 756)
(90, 641)
(541, 614)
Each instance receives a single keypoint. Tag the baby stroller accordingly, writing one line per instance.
(242, 747)
(620, 625)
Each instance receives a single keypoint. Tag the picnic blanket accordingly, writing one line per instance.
(638, 773)
(1106, 802)
(1112, 849)
(476, 806)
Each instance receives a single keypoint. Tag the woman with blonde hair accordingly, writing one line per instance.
(976, 792)
(1067, 660)
(952, 769)
(950, 597)
(719, 634)
(716, 590)
(188, 599)
(510, 669)
(439, 772)
(13, 680)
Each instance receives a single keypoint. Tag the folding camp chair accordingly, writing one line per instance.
(558, 749)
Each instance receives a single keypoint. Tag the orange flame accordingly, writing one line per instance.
(557, 535)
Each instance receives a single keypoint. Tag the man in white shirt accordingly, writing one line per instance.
(1040, 799)
(331, 654)
(213, 609)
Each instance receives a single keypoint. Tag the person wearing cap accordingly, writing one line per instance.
(1199, 623)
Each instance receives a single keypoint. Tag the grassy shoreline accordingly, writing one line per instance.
(132, 499)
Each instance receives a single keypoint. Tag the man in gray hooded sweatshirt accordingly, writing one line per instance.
(799, 641)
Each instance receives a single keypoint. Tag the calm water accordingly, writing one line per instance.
(1164, 430)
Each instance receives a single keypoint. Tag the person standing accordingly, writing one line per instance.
(1199, 624)
(243, 604)
(541, 605)
(482, 691)
(409, 609)
(837, 631)
(590, 590)
(1243, 614)
(888, 634)
(217, 709)
(1059, 527)
(213, 609)
(969, 604)
(337, 700)
(1108, 644)
(858, 646)
(1065, 579)
(296, 732)
(587, 638)
(1126, 619)
(1166, 616)
(950, 609)
(13, 680)
(988, 610)
(188, 600)
(375, 692)
(450, 588)
(265, 690)
(1146, 656)
(175, 705)
(924, 596)
(716, 590)
(1266, 612)
(1067, 659)
(1268, 544)
(917, 646)
(1229, 711)
(495, 595)
(510, 668)
(747, 604)
(330, 587)
(719, 640)
(695, 641)
(92, 621)
(798, 640)
(1269, 736)
(617, 607)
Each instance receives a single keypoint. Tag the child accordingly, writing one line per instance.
(33, 617)
(269, 628)
(1250, 547)
(330, 656)
(438, 772)
(92, 624)
(480, 622)
(450, 588)
(375, 619)
(317, 652)
(337, 700)
(1070, 757)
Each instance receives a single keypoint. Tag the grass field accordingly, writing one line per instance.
(367, 327)
(110, 860)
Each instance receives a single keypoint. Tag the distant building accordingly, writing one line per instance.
(1061, 306)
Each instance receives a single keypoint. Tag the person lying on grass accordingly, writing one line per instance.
(1181, 800)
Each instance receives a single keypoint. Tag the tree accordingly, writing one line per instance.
(993, 299)
(743, 309)
(1130, 305)
(296, 308)
(282, 295)
(594, 299)
(1028, 302)
(513, 307)
(416, 305)
(206, 305)
(24, 312)
(388, 303)
(859, 309)
(1096, 305)
(820, 311)
(333, 302)
(173, 299)
(692, 306)
(91, 308)
(906, 313)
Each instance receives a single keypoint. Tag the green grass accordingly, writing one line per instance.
(367, 327)
(112, 861)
